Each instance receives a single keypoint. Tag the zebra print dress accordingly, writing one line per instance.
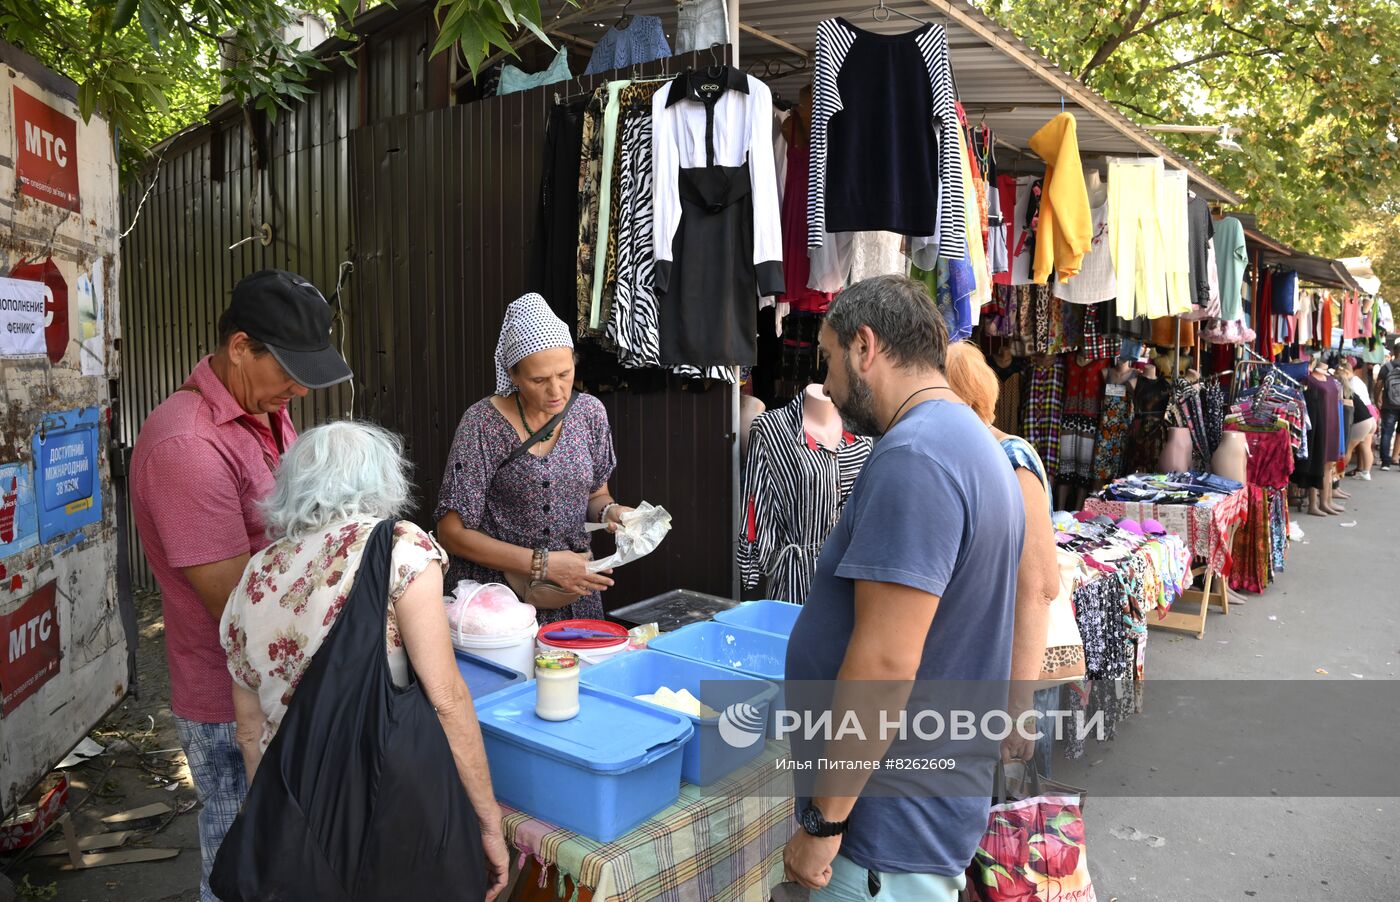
(634, 326)
(794, 490)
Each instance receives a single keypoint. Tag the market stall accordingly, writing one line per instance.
(1204, 511)
(1095, 278)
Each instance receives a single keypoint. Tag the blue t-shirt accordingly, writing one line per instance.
(936, 508)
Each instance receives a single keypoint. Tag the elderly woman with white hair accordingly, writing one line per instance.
(335, 485)
(528, 469)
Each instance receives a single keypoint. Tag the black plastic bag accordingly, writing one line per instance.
(358, 796)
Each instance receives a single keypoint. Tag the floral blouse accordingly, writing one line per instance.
(288, 599)
(536, 502)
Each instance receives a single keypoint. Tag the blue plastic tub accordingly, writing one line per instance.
(707, 757)
(767, 616)
(600, 774)
(763, 655)
(484, 677)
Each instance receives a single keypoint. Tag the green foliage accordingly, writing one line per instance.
(482, 26)
(152, 67)
(1312, 88)
(36, 892)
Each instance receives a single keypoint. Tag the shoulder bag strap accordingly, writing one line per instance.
(540, 433)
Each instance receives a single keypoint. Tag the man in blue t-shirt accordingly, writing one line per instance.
(916, 582)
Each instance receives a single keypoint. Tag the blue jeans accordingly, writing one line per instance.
(850, 883)
(216, 765)
(1047, 699)
(1388, 420)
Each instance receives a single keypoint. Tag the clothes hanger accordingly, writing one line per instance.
(625, 18)
(577, 82)
(888, 11)
(717, 68)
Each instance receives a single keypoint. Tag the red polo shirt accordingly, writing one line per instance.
(200, 467)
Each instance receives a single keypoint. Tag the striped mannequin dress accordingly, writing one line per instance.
(794, 490)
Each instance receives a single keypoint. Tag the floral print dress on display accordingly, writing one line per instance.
(289, 598)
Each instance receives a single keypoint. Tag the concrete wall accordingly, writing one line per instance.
(37, 396)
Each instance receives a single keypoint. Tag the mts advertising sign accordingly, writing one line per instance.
(46, 158)
(30, 654)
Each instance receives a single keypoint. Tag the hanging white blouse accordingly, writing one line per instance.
(699, 120)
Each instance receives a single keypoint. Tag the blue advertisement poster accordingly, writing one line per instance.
(19, 513)
(65, 472)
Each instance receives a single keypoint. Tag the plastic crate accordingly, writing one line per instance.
(600, 774)
(755, 653)
(708, 757)
(767, 616)
(485, 677)
(673, 610)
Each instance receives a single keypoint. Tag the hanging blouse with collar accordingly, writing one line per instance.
(794, 490)
(701, 120)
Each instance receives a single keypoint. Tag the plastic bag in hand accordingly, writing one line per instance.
(640, 533)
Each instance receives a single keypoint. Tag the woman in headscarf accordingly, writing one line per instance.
(518, 517)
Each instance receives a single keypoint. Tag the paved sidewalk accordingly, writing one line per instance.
(1336, 610)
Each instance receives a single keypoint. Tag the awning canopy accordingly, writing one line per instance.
(1000, 79)
(1311, 268)
(1360, 269)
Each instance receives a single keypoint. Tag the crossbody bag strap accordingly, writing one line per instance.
(539, 434)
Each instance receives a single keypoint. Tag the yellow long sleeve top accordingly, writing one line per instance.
(1066, 227)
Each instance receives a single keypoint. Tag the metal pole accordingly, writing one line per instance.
(736, 472)
(1176, 352)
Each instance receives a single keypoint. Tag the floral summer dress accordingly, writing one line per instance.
(535, 501)
(290, 595)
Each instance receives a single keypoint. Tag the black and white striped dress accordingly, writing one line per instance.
(884, 146)
(794, 490)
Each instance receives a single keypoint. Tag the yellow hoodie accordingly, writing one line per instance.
(1066, 229)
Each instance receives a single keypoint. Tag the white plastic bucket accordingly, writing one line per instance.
(515, 651)
(586, 656)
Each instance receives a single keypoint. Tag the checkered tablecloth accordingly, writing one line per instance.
(1205, 526)
(722, 842)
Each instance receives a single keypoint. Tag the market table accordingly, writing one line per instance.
(722, 842)
(1208, 528)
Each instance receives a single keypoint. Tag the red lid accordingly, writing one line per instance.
(602, 626)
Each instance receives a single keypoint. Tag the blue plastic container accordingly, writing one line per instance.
(707, 756)
(600, 774)
(484, 677)
(767, 616)
(763, 655)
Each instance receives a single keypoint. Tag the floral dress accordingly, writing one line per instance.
(536, 501)
(290, 595)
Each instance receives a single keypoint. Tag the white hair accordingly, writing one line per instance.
(339, 471)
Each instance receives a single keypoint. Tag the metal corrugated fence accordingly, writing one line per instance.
(177, 270)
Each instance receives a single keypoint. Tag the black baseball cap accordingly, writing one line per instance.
(288, 314)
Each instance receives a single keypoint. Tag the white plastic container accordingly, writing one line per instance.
(516, 651)
(490, 622)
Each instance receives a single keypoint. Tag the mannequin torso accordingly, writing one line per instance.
(820, 419)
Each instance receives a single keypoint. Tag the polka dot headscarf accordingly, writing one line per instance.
(529, 327)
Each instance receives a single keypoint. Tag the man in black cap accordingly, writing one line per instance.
(203, 461)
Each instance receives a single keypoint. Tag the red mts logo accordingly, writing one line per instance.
(29, 656)
(46, 156)
(55, 303)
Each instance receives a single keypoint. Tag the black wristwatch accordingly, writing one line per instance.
(812, 821)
